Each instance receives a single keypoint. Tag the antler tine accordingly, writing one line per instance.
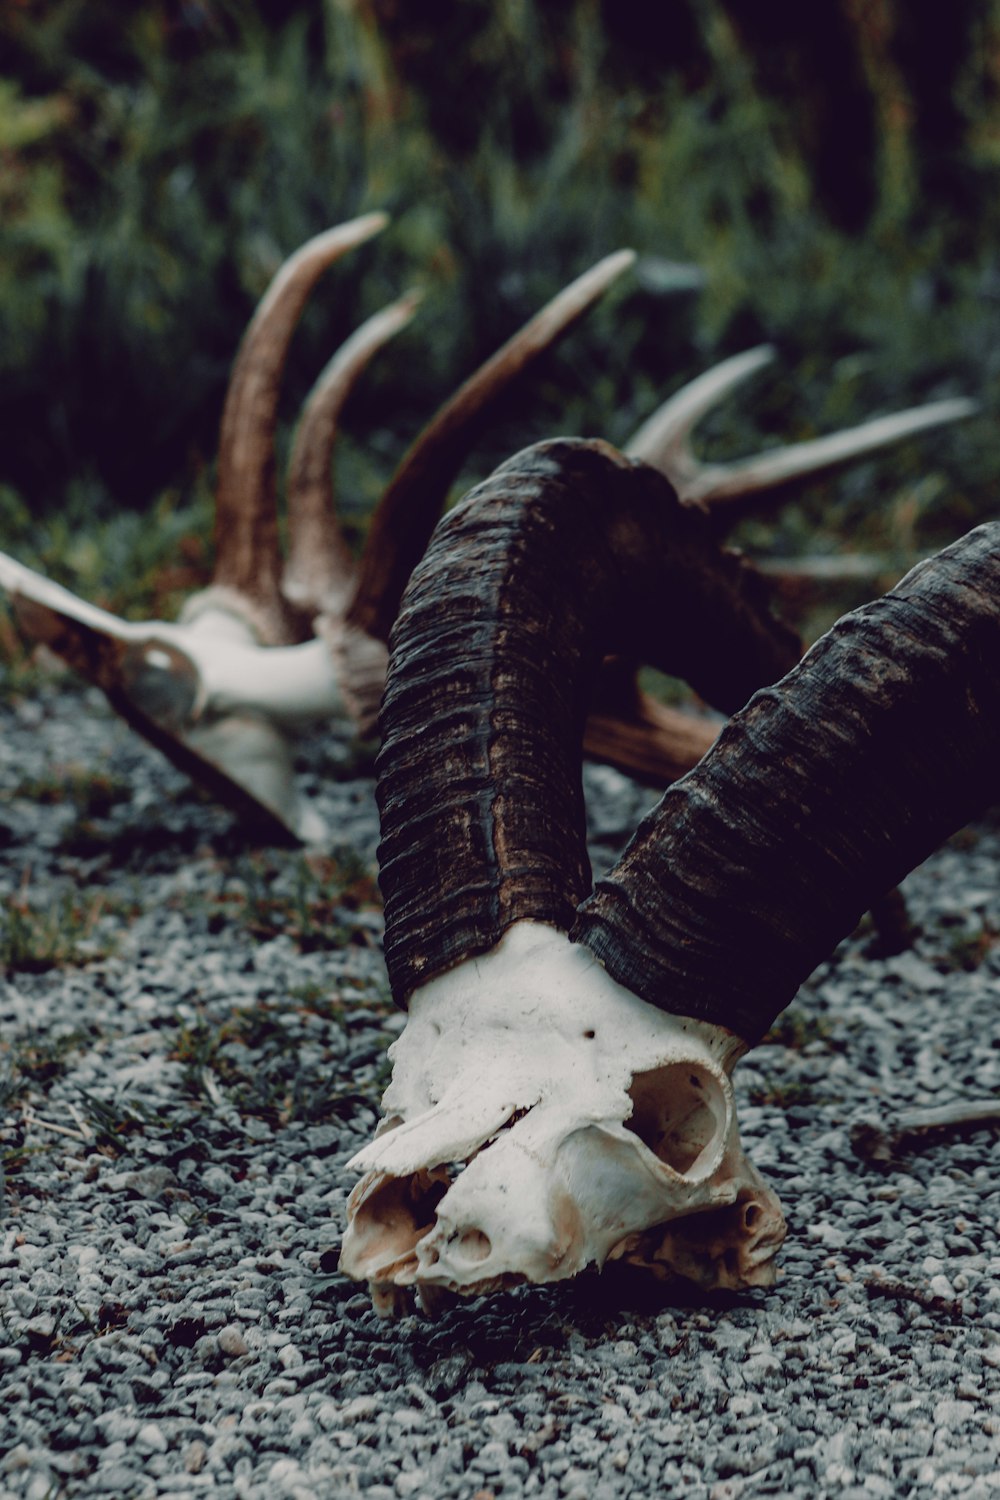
(408, 512)
(722, 484)
(320, 569)
(647, 740)
(663, 440)
(248, 562)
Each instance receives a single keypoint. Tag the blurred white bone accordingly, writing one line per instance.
(226, 699)
(664, 439)
(585, 1123)
(222, 691)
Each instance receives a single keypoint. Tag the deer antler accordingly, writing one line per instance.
(218, 691)
(628, 727)
(663, 440)
(320, 572)
(247, 552)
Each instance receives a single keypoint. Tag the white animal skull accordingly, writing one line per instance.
(583, 1124)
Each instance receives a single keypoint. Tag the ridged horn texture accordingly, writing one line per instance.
(567, 553)
(248, 559)
(820, 795)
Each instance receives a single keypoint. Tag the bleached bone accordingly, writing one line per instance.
(269, 646)
(880, 1139)
(585, 1115)
(206, 693)
(585, 1124)
(239, 741)
(501, 1157)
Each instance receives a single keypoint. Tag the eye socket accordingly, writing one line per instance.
(475, 1245)
(679, 1112)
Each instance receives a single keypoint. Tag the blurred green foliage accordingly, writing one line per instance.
(822, 177)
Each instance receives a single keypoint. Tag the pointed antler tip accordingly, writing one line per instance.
(345, 236)
(370, 223)
(411, 299)
(614, 265)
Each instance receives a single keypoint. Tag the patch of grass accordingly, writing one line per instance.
(316, 999)
(795, 1029)
(93, 793)
(65, 934)
(111, 1119)
(964, 951)
(783, 1093)
(309, 900)
(264, 1069)
(36, 1058)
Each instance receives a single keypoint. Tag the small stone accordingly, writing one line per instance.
(151, 1438)
(362, 1409)
(117, 1426)
(953, 1413)
(231, 1341)
(194, 1456)
(148, 1182)
(285, 1471)
(17, 1458)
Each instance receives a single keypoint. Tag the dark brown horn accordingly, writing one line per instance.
(567, 553)
(820, 795)
(247, 553)
(410, 507)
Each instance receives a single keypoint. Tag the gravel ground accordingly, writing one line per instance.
(192, 1043)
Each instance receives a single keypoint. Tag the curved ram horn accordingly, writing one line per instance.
(567, 553)
(247, 552)
(320, 570)
(639, 738)
(664, 440)
(821, 794)
(581, 1088)
(409, 510)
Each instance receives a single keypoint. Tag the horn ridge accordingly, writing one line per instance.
(821, 794)
(568, 552)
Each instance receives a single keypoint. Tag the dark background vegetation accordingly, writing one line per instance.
(823, 176)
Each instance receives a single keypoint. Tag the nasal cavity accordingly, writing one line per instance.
(679, 1112)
